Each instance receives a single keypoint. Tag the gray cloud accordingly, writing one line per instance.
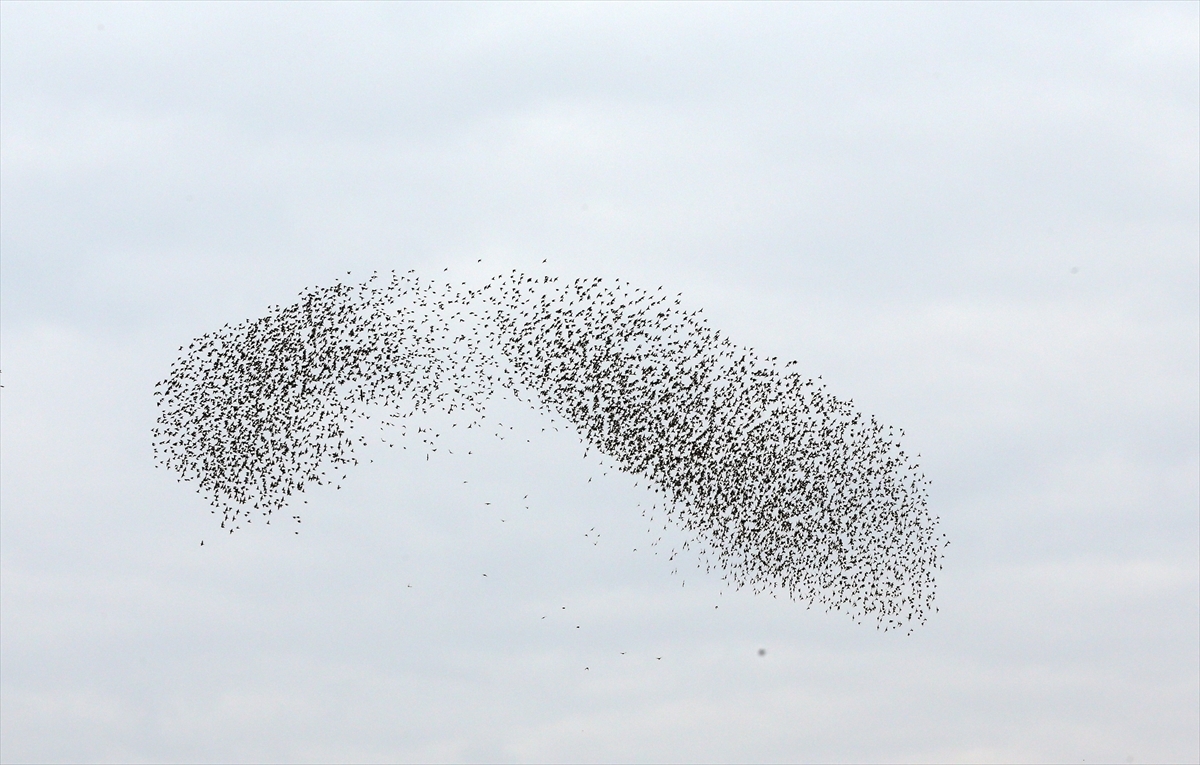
(895, 196)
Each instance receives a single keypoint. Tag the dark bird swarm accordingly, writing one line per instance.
(787, 487)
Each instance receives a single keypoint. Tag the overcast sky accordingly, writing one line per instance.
(978, 221)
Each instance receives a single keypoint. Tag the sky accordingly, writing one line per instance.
(981, 222)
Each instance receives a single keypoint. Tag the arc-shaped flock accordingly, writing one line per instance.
(785, 486)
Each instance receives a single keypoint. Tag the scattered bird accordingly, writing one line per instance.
(783, 487)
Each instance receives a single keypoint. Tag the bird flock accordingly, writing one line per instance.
(782, 486)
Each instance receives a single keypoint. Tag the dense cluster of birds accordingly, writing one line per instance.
(784, 486)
